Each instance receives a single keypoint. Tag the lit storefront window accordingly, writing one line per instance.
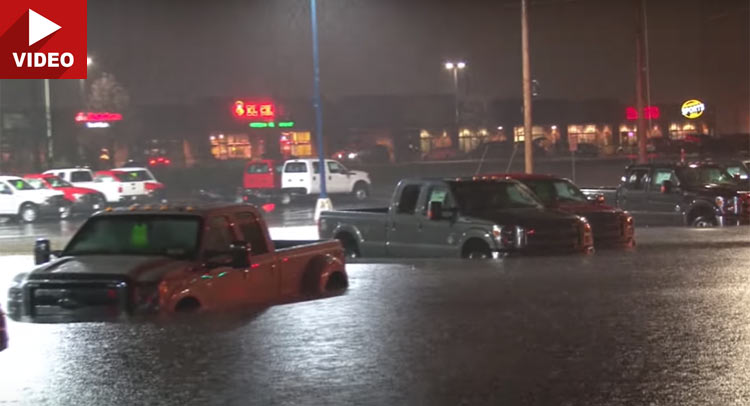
(429, 141)
(296, 143)
(536, 131)
(680, 131)
(231, 146)
(469, 140)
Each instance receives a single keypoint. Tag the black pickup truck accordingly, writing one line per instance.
(473, 218)
(696, 194)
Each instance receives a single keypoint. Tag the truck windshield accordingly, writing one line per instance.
(56, 181)
(20, 184)
(704, 175)
(551, 191)
(134, 176)
(482, 196)
(162, 235)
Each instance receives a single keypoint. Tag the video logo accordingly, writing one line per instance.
(43, 39)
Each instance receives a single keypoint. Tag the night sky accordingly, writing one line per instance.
(172, 51)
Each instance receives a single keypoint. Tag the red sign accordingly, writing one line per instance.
(254, 111)
(649, 113)
(88, 117)
(43, 39)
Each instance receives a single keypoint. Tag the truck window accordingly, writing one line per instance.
(438, 194)
(218, 236)
(258, 168)
(408, 202)
(252, 233)
(660, 175)
(5, 190)
(636, 179)
(334, 167)
(104, 179)
(295, 167)
(80, 176)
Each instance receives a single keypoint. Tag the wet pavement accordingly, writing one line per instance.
(667, 323)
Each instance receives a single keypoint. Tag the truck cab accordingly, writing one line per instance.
(302, 177)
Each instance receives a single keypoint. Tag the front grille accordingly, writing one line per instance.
(76, 299)
(562, 237)
(607, 228)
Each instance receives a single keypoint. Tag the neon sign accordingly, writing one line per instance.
(649, 113)
(89, 117)
(272, 124)
(254, 111)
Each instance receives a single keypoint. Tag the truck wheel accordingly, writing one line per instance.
(704, 222)
(361, 190)
(28, 213)
(351, 250)
(477, 250)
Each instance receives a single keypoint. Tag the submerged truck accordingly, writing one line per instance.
(697, 194)
(473, 218)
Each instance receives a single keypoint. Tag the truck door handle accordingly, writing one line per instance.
(329, 178)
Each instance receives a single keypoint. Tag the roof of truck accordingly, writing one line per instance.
(201, 210)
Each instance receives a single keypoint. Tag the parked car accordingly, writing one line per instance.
(475, 218)
(154, 189)
(696, 194)
(83, 200)
(118, 188)
(261, 182)
(125, 262)
(20, 200)
(300, 177)
(375, 154)
(115, 187)
(611, 226)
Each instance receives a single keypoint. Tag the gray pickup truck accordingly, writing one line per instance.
(473, 218)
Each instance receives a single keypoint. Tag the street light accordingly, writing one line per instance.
(455, 67)
(89, 61)
(82, 82)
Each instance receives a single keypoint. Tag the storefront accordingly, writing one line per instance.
(598, 135)
(261, 129)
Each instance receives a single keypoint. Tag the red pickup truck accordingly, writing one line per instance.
(123, 262)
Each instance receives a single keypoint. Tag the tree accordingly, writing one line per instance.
(106, 94)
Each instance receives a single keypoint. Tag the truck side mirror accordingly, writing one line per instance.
(42, 251)
(435, 211)
(667, 186)
(240, 252)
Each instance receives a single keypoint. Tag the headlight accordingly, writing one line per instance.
(509, 236)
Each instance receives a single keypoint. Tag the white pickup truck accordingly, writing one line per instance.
(18, 199)
(301, 177)
(113, 184)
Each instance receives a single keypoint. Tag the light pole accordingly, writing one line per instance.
(324, 203)
(527, 127)
(82, 83)
(454, 67)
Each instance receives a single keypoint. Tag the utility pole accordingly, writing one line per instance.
(48, 122)
(527, 127)
(323, 203)
(640, 70)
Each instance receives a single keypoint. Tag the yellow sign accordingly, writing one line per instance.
(693, 109)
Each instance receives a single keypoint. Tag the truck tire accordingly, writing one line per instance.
(28, 213)
(703, 221)
(361, 190)
(351, 248)
(476, 249)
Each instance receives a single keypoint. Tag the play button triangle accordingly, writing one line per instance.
(39, 27)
